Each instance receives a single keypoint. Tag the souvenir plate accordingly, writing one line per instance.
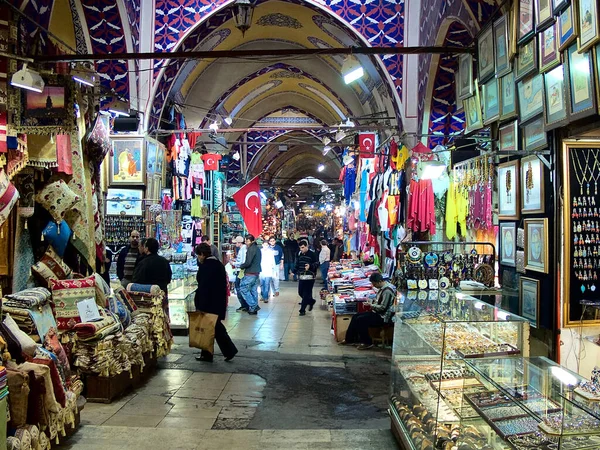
(411, 284)
(433, 284)
(433, 295)
(448, 257)
(422, 295)
(444, 283)
(431, 259)
(414, 253)
(422, 284)
(444, 297)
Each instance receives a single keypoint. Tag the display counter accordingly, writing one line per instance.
(181, 301)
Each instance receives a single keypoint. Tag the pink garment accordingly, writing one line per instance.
(64, 154)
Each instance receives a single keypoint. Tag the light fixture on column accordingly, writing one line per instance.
(341, 134)
(28, 79)
(326, 140)
(349, 123)
(119, 107)
(351, 69)
(228, 120)
(321, 167)
(326, 149)
(242, 14)
(84, 75)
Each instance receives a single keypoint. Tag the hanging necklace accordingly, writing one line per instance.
(529, 180)
(508, 186)
(583, 171)
(597, 176)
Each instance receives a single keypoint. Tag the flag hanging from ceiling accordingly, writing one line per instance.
(366, 142)
(247, 200)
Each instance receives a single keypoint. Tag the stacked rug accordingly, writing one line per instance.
(149, 300)
(31, 310)
(104, 357)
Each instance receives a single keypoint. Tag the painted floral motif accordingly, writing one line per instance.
(279, 20)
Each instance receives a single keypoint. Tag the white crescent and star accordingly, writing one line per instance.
(370, 143)
(248, 197)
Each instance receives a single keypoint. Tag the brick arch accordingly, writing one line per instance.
(181, 27)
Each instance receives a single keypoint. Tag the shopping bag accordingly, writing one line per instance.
(202, 330)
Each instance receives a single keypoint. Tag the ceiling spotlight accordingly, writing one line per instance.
(214, 126)
(242, 14)
(326, 149)
(228, 120)
(349, 123)
(236, 156)
(28, 79)
(351, 69)
(326, 141)
(119, 107)
(340, 135)
(321, 167)
(84, 76)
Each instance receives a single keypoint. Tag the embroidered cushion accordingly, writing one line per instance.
(58, 236)
(8, 197)
(151, 289)
(57, 198)
(27, 344)
(66, 294)
(51, 266)
(97, 141)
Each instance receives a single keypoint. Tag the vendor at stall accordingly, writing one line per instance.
(381, 313)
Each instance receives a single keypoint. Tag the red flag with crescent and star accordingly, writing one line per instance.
(366, 142)
(247, 200)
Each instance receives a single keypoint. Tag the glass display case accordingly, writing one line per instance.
(181, 294)
(435, 333)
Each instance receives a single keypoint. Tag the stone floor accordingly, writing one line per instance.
(290, 387)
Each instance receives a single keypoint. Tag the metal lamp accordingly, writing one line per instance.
(242, 14)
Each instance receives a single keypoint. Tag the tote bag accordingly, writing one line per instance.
(202, 330)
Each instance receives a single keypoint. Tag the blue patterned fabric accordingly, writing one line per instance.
(58, 239)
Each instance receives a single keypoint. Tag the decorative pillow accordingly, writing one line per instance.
(151, 289)
(58, 236)
(57, 198)
(102, 291)
(97, 141)
(27, 344)
(122, 294)
(66, 294)
(51, 266)
(8, 196)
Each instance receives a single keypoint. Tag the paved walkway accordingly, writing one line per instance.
(290, 387)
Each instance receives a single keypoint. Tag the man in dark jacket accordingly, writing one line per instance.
(251, 267)
(153, 269)
(127, 259)
(213, 248)
(290, 251)
(306, 268)
(211, 297)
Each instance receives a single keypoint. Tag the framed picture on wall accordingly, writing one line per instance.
(465, 76)
(501, 39)
(151, 145)
(124, 202)
(128, 162)
(566, 28)
(508, 136)
(526, 23)
(549, 54)
(536, 245)
(486, 60)
(532, 185)
(527, 60)
(508, 193)
(534, 135)
(491, 101)
(582, 99)
(508, 96)
(473, 117)
(531, 97)
(587, 20)
(543, 14)
(508, 244)
(555, 102)
(559, 5)
(529, 294)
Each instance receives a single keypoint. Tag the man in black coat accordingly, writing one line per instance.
(306, 268)
(211, 297)
(153, 268)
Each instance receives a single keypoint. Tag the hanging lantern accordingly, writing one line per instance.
(242, 14)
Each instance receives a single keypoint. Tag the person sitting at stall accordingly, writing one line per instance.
(211, 297)
(381, 313)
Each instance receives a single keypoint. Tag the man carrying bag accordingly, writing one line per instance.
(211, 307)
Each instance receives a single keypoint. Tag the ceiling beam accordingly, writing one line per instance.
(214, 54)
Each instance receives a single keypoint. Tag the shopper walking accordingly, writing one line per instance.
(324, 260)
(250, 280)
(381, 312)
(127, 259)
(211, 297)
(267, 271)
(239, 260)
(279, 264)
(290, 252)
(306, 267)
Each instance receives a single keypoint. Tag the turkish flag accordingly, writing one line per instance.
(247, 200)
(366, 142)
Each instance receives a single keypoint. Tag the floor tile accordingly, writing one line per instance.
(191, 423)
(133, 420)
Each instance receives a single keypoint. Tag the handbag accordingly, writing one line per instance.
(306, 275)
(202, 330)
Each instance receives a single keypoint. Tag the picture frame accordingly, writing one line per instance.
(151, 146)
(508, 193)
(526, 20)
(548, 48)
(558, 6)
(520, 261)
(127, 164)
(536, 245)
(587, 24)
(529, 299)
(555, 100)
(508, 244)
(508, 96)
(124, 202)
(527, 60)
(513, 30)
(543, 14)
(567, 31)
(597, 72)
(531, 97)
(508, 136)
(491, 101)
(502, 50)
(534, 135)
(486, 58)
(473, 115)
(161, 167)
(581, 92)
(532, 186)
(465, 76)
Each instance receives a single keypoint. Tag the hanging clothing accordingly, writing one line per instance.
(451, 211)
(348, 177)
(421, 207)
(211, 161)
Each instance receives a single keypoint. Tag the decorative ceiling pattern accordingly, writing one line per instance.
(278, 20)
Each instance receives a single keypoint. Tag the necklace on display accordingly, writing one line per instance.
(529, 180)
(596, 177)
(583, 180)
(508, 186)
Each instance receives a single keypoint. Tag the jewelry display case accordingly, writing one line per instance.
(436, 332)
(532, 403)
